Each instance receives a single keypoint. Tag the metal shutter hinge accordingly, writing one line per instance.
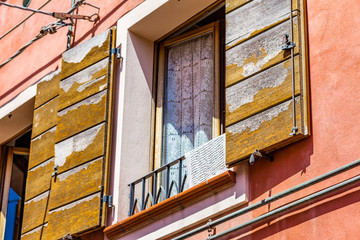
(287, 44)
(108, 200)
(116, 51)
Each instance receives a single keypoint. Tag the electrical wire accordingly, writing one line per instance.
(21, 22)
(26, 9)
(51, 28)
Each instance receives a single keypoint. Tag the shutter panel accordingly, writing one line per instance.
(77, 142)
(258, 84)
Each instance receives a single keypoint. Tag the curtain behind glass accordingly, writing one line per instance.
(189, 98)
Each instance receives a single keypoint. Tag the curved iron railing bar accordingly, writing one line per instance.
(161, 190)
(147, 199)
(173, 184)
(183, 183)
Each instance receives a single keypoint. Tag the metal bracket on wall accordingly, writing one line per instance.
(108, 200)
(257, 154)
(116, 51)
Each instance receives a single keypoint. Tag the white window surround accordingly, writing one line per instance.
(136, 33)
(16, 115)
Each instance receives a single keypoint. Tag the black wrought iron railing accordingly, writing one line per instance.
(157, 186)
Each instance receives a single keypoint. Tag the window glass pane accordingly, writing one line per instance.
(189, 96)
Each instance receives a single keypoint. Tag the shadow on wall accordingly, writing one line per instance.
(288, 161)
(312, 211)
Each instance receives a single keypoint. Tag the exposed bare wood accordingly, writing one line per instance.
(76, 183)
(265, 131)
(85, 54)
(42, 147)
(258, 53)
(81, 116)
(34, 212)
(45, 117)
(255, 17)
(38, 179)
(73, 218)
(83, 84)
(261, 91)
(47, 88)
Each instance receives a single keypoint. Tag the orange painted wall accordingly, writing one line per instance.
(44, 55)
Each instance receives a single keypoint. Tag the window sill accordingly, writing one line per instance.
(172, 204)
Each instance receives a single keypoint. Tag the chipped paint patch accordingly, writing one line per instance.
(245, 91)
(102, 87)
(84, 86)
(44, 164)
(50, 76)
(71, 205)
(73, 171)
(254, 122)
(254, 16)
(76, 143)
(32, 231)
(84, 76)
(39, 198)
(251, 56)
(91, 100)
(78, 53)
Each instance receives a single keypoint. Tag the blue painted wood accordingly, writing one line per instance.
(11, 214)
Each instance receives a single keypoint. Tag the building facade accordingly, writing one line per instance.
(179, 119)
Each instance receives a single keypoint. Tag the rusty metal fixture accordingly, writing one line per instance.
(257, 154)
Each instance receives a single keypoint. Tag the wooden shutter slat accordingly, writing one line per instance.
(74, 151)
(38, 179)
(259, 53)
(255, 17)
(45, 117)
(259, 80)
(262, 91)
(233, 4)
(265, 131)
(42, 147)
(86, 54)
(76, 183)
(47, 88)
(83, 84)
(34, 212)
(73, 218)
(81, 116)
(32, 235)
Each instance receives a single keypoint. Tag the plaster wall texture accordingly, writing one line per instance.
(44, 56)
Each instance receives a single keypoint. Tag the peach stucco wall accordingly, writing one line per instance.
(44, 56)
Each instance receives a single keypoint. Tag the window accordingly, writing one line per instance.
(188, 89)
(15, 160)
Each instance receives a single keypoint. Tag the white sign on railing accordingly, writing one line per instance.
(206, 161)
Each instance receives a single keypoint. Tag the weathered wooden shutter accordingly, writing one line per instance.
(259, 99)
(71, 132)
